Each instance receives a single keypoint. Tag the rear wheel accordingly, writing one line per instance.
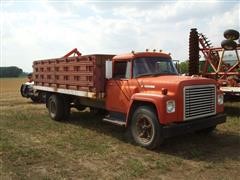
(58, 107)
(145, 128)
(66, 107)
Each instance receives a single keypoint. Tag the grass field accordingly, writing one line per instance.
(35, 147)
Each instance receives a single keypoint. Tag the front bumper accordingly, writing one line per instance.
(193, 125)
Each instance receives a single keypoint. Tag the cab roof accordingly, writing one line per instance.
(141, 54)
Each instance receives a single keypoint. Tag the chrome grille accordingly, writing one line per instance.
(199, 101)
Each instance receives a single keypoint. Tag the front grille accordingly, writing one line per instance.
(199, 101)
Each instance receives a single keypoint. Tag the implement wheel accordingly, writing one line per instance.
(229, 44)
(231, 34)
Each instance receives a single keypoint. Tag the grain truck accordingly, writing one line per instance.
(141, 91)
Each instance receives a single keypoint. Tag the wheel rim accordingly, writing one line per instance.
(52, 109)
(144, 130)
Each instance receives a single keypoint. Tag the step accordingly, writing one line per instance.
(115, 121)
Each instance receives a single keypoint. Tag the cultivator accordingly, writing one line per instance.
(215, 64)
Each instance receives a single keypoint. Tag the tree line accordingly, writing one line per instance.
(11, 71)
(183, 67)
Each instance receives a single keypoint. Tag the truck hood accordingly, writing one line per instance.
(172, 82)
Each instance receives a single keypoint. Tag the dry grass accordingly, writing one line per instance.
(35, 147)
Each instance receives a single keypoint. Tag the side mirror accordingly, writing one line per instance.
(108, 69)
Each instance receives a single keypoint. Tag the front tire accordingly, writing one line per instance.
(145, 128)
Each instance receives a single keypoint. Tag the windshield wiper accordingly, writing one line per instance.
(155, 74)
(168, 73)
(142, 75)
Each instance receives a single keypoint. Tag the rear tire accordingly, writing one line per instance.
(58, 108)
(145, 128)
(66, 107)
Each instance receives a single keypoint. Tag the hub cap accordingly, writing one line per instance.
(144, 130)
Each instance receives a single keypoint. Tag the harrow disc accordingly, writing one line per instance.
(193, 53)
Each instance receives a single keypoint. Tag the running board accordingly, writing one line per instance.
(115, 121)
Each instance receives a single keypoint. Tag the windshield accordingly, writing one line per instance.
(153, 66)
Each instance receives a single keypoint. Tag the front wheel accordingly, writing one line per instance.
(145, 128)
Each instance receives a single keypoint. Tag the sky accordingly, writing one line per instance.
(33, 30)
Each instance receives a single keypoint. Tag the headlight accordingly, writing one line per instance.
(220, 99)
(170, 106)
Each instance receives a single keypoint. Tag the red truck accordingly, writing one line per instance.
(139, 90)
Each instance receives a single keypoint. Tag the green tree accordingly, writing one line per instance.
(10, 71)
(183, 66)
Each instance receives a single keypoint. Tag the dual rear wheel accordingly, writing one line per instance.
(58, 107)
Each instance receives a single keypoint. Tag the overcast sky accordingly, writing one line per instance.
(43, 29)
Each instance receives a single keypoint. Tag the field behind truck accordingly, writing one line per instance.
(32, 146)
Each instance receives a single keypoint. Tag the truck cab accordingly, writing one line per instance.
(130, 71)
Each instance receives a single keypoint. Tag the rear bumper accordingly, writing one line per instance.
(193, 125)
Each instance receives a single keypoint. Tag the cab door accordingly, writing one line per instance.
(117, 89)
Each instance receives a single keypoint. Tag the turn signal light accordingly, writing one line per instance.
(164, 91)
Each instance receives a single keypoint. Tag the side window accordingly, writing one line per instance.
(128, 70)
(122, 69)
